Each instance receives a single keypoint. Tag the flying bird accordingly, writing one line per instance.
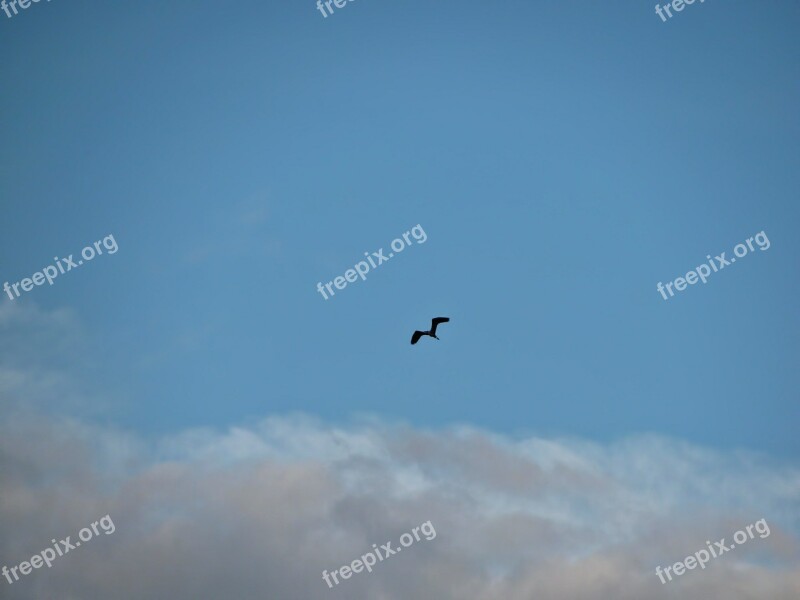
(434, 324)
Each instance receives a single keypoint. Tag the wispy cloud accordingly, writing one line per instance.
(40, 353)
(241, 230)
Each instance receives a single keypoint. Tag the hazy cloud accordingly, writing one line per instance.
(259, 512)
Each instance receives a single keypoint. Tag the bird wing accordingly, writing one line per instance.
(416, 336)
(435, 322)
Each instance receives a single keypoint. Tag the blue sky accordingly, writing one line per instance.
(569, 433)
(562, 159)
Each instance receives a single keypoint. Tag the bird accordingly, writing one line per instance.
(434, 324)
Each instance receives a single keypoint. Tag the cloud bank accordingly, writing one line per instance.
(260, 511)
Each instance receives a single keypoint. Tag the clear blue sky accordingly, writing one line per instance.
(562, 158)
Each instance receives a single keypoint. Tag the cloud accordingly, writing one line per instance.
(260, 511)
(241, 231)
(39, 355)
(47, 361)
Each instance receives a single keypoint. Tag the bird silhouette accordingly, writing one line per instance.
(434, 324)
